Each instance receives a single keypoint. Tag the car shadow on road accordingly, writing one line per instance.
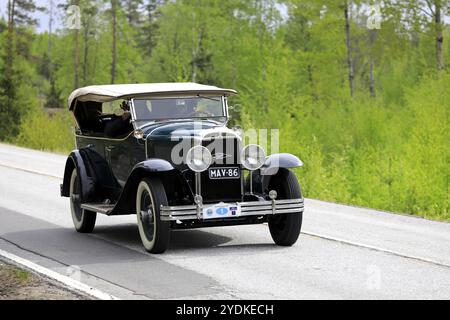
(180, 240)
(108, 244)
(128, 234)
(196, 240)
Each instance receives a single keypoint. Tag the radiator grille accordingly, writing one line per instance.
(225, 152)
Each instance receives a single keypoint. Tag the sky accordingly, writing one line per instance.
(42, 17)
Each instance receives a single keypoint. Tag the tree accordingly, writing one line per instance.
(18, 16)
(348, 43)
(437, 13)
(114, 40)
(427, 16)
(148, 32)
(372, 38)
(132, 9)
(89, 12)
(76, 54)
(54, 96)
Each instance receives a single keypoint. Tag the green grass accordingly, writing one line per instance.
(12, 276)
(21, 275)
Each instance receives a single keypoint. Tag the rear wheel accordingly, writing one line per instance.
(155, 234)
(285, 228)
(83, 220)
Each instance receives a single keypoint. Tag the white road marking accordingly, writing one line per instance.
(67, 281)
(362, 245)
(30, 171)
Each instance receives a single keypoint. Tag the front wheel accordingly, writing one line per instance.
(285, 228)
(155, 234)
(83, 220)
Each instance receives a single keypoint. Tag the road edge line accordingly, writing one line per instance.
(65, 280)
(375, 248)
(30, 171)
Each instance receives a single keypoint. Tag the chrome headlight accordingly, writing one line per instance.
(198, 158)
(253, 157)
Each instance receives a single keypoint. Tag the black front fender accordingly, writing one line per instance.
(150, 167)
(279, 160)
(274, 163)
(154, 165)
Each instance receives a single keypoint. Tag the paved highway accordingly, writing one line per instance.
(343, 252)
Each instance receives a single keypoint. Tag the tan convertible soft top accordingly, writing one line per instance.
(106, 93)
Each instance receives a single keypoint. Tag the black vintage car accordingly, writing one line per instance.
(163, 151)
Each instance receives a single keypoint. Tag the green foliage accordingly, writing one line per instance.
(290, 69)
(43, 131)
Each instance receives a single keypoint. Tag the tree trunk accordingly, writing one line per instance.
(50, 29)
(372, 38)
(372, 79)
(194, 49)
(439, 35)
(76, 83)
(114, 40)
(76, 67)
(351, 72)
(10, 37)
(86, 51)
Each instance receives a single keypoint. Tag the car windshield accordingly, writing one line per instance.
(162, 109)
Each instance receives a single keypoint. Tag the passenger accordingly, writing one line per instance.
(119, 125)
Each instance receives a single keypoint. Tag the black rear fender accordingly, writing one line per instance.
(76, 161)
(96, 179)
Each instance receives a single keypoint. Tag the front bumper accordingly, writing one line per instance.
(250, 208)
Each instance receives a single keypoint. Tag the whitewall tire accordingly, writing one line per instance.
(154, 233)
(83, 220)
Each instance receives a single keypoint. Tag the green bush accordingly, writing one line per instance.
(43, 131)
(365, 153)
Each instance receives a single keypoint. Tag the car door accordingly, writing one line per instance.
(123, 155)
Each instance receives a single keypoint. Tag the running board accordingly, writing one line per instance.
(98, 207)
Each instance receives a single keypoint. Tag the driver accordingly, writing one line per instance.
(120, 125)
(196, 110)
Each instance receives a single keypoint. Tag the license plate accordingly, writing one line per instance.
(222, 210)
(224, 173)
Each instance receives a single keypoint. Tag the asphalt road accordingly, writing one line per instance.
(343, 252)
